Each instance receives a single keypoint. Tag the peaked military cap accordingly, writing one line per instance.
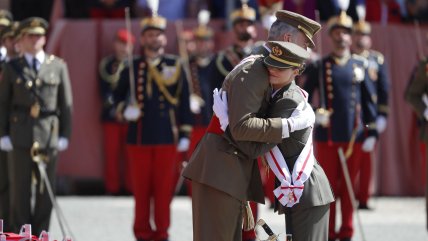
(286, 55)
(9, 31)
(308, 26)
(245, 13)
(341, 21)
(33, 25)
(5, 18)
(362, 27)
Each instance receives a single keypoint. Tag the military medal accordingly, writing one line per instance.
(35, 110)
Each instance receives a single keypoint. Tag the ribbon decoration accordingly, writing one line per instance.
(292, 184)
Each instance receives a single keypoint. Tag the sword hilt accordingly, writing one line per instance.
(265, 227)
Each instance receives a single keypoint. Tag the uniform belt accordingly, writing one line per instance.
(214, 126)
(43, 112)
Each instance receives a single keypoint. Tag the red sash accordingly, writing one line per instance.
(214, 126)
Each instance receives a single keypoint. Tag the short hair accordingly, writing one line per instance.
(279, 28)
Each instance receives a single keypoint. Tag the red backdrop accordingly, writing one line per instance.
(82, 44)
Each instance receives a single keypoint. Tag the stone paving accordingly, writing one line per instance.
(110, 219)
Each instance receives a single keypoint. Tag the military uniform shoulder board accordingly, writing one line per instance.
(219, 63)
(361, 59)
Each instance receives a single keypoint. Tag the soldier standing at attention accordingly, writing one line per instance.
(343, 89)
(245, 32)
(35, 110)
(417, 96)
(379, 80)
(5, 23)
(201, 101)
(116, 170)
(158, 119)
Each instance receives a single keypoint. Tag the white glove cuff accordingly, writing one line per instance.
(285, 130)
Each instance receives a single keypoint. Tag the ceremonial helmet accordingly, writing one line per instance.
(154, 21)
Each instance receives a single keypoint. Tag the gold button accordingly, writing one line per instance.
(329, 79)
(29, 84)
(330, 96)
(161, 98)
(328, 64)
(330, 87)
(140, 97)
(140, 80)
(141, 105)
(38, 82)
(140, 72)
(140, 88)
(328, 71)
(161, 106)
(15, 119)
(18, 81)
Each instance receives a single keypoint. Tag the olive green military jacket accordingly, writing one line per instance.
(35, 106)
(219, 161)
(317, 189)
(418, 86)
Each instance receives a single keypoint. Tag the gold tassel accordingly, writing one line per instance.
(248, 219)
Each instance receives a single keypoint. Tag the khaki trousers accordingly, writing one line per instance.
(217, 216)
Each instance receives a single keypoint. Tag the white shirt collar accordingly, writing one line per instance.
(40, 56)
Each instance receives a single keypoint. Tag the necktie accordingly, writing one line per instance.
(35, 65)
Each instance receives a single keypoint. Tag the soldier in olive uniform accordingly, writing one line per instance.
(116, 166)
(159, 116)
(223, 178)
(344, 87)
(35, 110)
(302, 191)
(5, 24)
(379, 81)
(417, 96)
(245, 32)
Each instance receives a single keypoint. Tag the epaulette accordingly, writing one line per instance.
(219, 63)
(379, 56)
(360, 58)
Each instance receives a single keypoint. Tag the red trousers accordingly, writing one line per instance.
(328, 157)
(365, 177)
(116, 164)
(152, 168)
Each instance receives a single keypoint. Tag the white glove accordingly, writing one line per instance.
(380, 124)
(322, 118)
(196, 103)
(183, 144)
(302, 117)
(369, 144)
(426, 114)
(220, 107)
(132, 113)
(62, 144)
(6, 143)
